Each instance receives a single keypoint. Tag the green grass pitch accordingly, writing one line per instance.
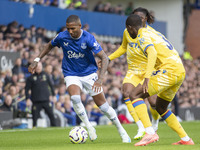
(108, 139)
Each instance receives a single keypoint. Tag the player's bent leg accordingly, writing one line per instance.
(172, 122)
(155, 118)
(155, 115)
(127, 88)
(80, 111)
(150, 136)
(111, 114)
(141, 110)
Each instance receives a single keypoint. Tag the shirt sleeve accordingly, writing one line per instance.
(55, 41)
(121, 50)
(151, 56)
(144, 40)
(94, 45)
(147, 46)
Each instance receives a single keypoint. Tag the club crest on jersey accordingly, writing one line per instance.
(66, 44)
(34, 78)
(83, 45)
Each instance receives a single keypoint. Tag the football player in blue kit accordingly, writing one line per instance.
(79, 68)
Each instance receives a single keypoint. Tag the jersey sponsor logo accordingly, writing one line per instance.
(72, 54)
(141, 41)
(83, 45)
(96, 45)
(66, 44)
(133, 45)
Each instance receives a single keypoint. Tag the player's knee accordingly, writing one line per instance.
(161, 109)
(152, 102)
(104, 108)
(76, 99)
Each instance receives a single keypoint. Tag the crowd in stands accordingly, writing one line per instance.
(101, 6)
(63, 4)
(29, 41)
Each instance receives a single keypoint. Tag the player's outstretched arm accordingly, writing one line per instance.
(33, 65)
(104, 65)
(151, 56)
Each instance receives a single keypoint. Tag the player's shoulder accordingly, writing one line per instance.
(87, 34)
(142, 32)
(125, 31)
(63, 34)
(148, 27)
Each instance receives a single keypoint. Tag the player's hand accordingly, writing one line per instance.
(97, 86)
(145, 85)
(99, 64)
(32, 67)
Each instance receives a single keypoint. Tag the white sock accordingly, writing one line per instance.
(150, 130)
(111, 114)
(186, 138)
(155, 124)
(140, 125)
(80, 111)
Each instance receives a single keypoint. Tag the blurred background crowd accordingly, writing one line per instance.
(101, 6)
(14, 37)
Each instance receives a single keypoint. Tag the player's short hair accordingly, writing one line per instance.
(134, 20)
(73, 18)
(150, 18)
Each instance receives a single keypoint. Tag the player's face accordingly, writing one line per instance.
(143, 17)
(39, 68)
(74, 29)
(132, 31)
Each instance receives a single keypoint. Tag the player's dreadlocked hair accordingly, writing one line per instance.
(73, 18)
(134, 20)
(150, 18)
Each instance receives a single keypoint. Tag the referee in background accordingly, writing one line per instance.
(39, 83)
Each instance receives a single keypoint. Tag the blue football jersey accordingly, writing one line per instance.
(78, 59)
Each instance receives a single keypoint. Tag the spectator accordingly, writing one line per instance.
(7, 105)
(86, 27)
(17, 67)
(1, 95)
(99, 6)
(129, 8)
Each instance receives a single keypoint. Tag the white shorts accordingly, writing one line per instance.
(85, 83)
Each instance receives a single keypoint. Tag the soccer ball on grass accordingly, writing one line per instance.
(78, 135)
